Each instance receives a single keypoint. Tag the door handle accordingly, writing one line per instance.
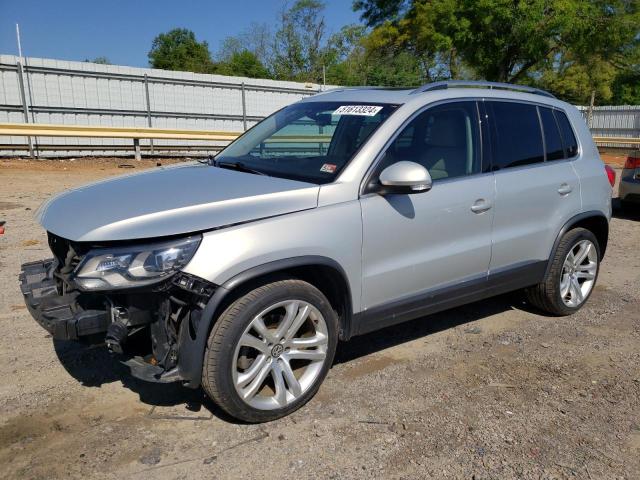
(565, 189)
(480, 206)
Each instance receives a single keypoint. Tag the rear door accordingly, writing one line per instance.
(537, 189)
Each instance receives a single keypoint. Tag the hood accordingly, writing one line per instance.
(170, 201)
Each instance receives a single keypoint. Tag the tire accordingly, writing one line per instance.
(235, 346)
(628, 207)
(547, 295)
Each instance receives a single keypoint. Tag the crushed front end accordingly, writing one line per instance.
(130, 296)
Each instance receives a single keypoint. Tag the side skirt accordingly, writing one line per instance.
(432, 301)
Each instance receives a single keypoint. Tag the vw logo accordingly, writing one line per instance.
(277, 350)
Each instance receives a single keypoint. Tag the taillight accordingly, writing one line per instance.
(632, 162)
(611, 175)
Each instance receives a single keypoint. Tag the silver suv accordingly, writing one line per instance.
(341, 214)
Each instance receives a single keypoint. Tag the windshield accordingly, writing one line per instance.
(309, 141)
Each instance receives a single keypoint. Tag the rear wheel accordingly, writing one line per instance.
(572, 275)
(270, 350)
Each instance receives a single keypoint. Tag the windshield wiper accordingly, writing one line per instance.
(241, 167)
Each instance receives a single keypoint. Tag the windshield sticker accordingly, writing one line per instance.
(328, 168)
(365, 110)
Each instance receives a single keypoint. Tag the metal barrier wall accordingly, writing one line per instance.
(621, 121)
(138, 133)
(47, 91)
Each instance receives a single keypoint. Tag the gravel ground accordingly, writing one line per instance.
(492, 390)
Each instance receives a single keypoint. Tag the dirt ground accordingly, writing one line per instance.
(492, 390)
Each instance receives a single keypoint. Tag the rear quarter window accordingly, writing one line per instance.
(568, 137)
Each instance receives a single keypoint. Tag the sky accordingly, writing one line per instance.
(123, 30)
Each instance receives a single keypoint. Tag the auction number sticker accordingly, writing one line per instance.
(365, 110)
(328, 168)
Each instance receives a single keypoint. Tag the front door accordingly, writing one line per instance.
(419, 243)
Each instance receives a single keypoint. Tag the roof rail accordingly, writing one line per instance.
(480, 84)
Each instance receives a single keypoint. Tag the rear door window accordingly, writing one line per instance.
(552, 140)
(568, 138)
(516, 135)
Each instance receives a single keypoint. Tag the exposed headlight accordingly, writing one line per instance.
(135, 265)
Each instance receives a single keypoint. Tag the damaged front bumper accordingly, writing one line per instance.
(154, 330)
(60, 315)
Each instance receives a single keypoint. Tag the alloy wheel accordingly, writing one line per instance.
(578, 273)
(280, 355)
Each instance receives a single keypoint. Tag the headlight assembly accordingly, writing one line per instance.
(135, 265)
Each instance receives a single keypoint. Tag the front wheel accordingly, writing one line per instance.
(270, 350)
(571, 276)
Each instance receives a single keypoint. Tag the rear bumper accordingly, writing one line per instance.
(631, 198)
(60, 315)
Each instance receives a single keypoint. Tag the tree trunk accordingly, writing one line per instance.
(454, 71)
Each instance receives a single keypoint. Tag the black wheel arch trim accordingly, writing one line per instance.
(572, 222)
(192, 350)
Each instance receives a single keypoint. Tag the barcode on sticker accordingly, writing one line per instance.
(366, 110)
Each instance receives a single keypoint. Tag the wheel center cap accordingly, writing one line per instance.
(277, 350)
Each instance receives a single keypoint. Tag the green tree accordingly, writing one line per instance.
(573, 46)
(178, 49)
(626, 88)
(344, 56)
(377, 12)
(257, 39)
(298, 48)
(401, 69)
(575, 81)
(350, 59)
(243, 64)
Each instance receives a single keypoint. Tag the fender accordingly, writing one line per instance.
(191, 350)
(568, 226)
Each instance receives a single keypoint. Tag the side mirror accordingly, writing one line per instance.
(405, 177)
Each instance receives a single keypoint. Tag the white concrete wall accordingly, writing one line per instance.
(81, 93)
